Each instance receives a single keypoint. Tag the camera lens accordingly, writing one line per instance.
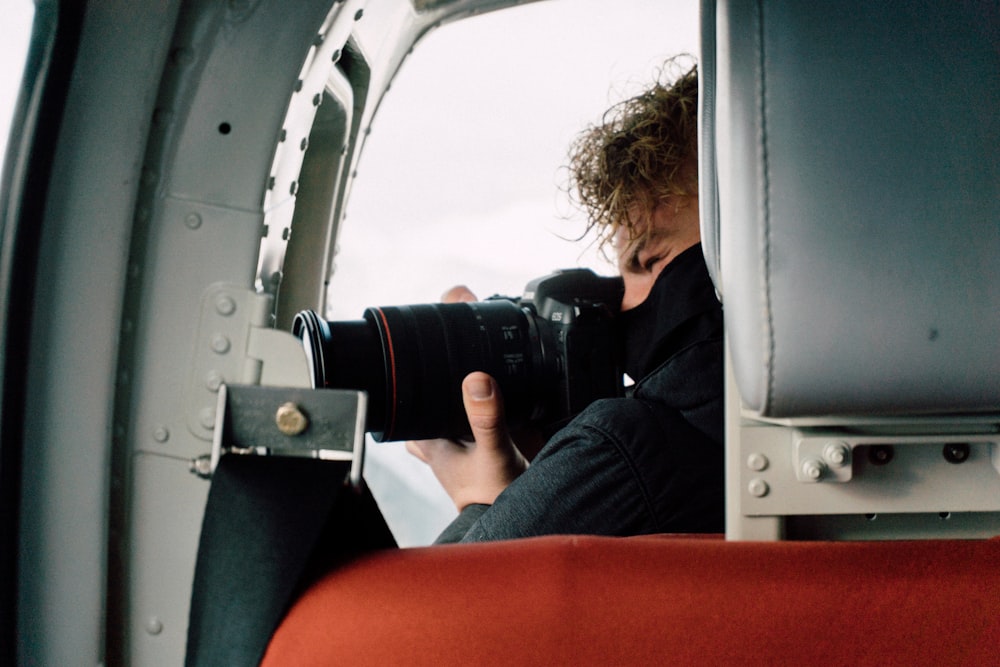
(412, 359)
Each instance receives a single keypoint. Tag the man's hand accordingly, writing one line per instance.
(477, 471)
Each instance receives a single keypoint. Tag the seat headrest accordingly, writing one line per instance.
(857, 157)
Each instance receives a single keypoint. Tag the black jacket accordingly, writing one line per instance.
(651, 462)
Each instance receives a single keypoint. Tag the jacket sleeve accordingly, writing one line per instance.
(622, 467)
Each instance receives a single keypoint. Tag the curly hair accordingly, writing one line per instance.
(644, 153)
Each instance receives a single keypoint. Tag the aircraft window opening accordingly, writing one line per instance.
(15, 33)
(460, 179)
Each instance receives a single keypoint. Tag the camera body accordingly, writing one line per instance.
(552, 352)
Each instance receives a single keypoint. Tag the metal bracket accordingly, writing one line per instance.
(324, 424)
(236, 344)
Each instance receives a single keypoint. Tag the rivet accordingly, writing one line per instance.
(161, 434)
(207, 418)
(758, 488)
(220, 344)
(213, 381)
(154, 626)
(192, 221)
(757, 462)
(225, 305)
(290, 419)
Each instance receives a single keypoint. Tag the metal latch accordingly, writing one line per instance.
(324, 424)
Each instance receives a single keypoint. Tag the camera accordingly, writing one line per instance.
(552, 351)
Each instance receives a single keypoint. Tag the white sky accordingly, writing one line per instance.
(15, 29)
(459, 181)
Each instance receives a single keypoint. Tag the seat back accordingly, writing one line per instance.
(851, 177)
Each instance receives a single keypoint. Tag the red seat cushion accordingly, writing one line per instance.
(653, 600)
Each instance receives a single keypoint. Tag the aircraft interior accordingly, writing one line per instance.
(178, 487)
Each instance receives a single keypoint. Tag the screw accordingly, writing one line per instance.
(290, 419)
(161, 434)
(758, 488)
(192, 221)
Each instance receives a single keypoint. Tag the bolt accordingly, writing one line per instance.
(837, 454)
(290, 419)
(758, 488)
(813, 469)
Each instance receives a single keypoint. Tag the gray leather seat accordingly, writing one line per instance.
(851, 219)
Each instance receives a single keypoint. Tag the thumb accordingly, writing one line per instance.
(484, 408)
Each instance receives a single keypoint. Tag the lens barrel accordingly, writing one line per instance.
(412, 359)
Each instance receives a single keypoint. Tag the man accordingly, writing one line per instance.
(652, 461)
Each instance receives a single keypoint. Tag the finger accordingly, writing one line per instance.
(458, 294)
(417, 449)
(484, 408)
